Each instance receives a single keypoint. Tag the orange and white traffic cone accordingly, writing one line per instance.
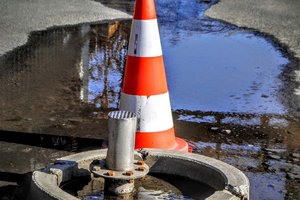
(145, 90)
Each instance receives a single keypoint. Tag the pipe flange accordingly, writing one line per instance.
(140, 169)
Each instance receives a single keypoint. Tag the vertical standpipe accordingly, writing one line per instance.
(121, 140)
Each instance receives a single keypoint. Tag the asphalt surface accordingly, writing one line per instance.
(20, 17)
(276, 17)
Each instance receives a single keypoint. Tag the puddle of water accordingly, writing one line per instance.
(236, 120)
(193, 118)
(216, 118)
(225, 69)
(278, 122)
(158, 186)
(267, 186)
(222, 73)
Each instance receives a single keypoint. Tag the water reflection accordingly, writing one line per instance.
(257, 162)
(218, 118)
(101, 65)
(84, 64)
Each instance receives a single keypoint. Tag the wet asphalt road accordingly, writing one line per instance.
(83, 71)
(275, 17)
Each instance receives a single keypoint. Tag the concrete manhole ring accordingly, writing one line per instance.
(228, 181)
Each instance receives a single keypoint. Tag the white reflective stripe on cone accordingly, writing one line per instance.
(144, 39)
(154, 113)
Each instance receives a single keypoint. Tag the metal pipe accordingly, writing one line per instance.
(121, 139)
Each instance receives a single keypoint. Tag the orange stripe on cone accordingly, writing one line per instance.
(144, 76)
(161, 139)
(144, 10)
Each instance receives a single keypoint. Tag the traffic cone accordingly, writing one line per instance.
(145, 90)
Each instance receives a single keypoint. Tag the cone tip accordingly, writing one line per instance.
(144, 10)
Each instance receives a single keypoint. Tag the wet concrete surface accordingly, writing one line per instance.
(57, 89)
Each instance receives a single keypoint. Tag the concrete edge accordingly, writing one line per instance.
(45, 186)
(45, 183)
(236, 183)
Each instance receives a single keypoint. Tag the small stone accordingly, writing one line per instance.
(292, 176)
(227, 131)
(277, 140)
(52, 119)
(214, 128)
(26, 150)
(205, 1)
(75, 120)
(296, 155)
(284, 191)
(275, 157)
(296, 160)
(276, 150)
(264, 96)
(291, 132)
(96, 168)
